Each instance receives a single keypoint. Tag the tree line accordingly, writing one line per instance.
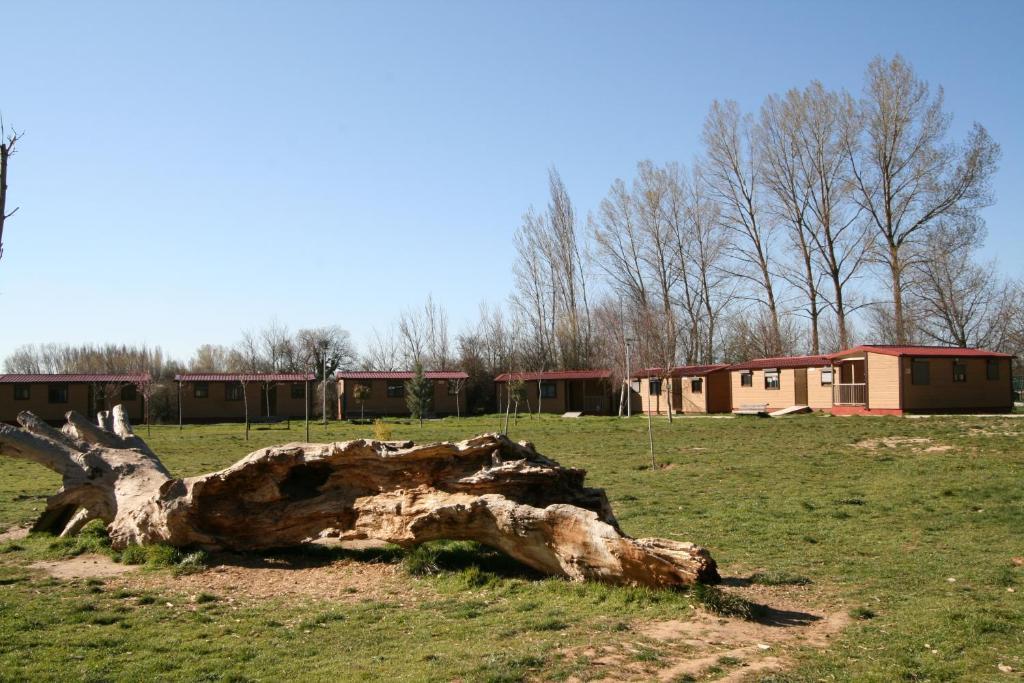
(821, 220)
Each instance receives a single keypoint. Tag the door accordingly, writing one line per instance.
(800, 382)
(268, 403)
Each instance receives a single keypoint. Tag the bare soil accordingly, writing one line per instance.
(83, 567)
(916, 444)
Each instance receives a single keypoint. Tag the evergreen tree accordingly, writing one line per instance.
(418, 393)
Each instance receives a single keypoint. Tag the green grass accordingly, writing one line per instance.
(788, 503)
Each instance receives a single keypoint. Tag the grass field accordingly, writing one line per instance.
(907, 525)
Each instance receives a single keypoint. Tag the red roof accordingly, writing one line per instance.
(244, 377)
(553, 374)
(784, 362)
(402, 374)
(140, 378)
(929, 351)
(680, 371)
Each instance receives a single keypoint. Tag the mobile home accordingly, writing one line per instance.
(50, 396)
(383, 393)
(892, 380)
(783, 383)
(559, 391)
(230, 397)
(691, 389)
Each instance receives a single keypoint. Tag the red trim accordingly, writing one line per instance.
(861, 410)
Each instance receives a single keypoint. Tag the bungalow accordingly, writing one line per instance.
(692, 389)
(385, 392)
(783, 382)
(230, 396)
(892, 380)
(560, 391)
(50, 396)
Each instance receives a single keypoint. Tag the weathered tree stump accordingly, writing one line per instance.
(487, 489)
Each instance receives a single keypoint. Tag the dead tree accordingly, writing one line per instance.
(487, 489)
(8, 141)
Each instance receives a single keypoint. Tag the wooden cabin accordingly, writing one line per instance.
(784, 382)
(231, 396)
(50, 396)
(559, 391)
(385, 393)
(892, 380)
(689, 389)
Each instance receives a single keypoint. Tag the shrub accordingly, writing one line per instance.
(381, 431)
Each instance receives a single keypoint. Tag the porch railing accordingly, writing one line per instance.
(849, 394)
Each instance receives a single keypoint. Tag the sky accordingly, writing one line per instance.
(190, 170)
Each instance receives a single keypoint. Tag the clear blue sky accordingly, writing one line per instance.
(193, 169)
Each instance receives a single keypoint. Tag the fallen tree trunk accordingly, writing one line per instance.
(487, 489)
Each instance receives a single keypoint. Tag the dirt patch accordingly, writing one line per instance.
(14, 534)
(729, 649)
(249, 579)
(83, 567)
(916, 444)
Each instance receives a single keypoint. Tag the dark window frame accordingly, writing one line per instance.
(990, 365)
(777, 374)
(54, 392)
(234, 391)
(22, 392)
(548, 389)
(697, 385)
(747, 378)
(395, 388)
(201, 390)
(831, 376)
(654, 386)
(298, 390)
(959, 372)
(920, 372)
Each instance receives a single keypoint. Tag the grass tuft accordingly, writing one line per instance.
(726, 604)
(779, 578)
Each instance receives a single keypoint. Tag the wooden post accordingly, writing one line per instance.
(180, 418)
(306, 397)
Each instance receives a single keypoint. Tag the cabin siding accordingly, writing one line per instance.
(379, 403)
(883, 373)
(714, 397)
(819, 396)
(79, 400)
(942, 393)
(216, 405)
(777, 399)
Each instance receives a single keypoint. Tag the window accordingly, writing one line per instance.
(298, 390)
(22, 392)
(654, 386)
(959, 371)
(129, 393)
(992, 368)
(771, 379)
(201, 390)
(826, 376)
(396, 389)
(919, 372)
(697, 385)
(57, 393)
(548, 390)
(454, 387)
(233, 391)
(747, 379)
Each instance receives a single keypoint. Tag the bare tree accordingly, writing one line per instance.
(907, 175)
(961, 302)
(841, 240)
(551, 277)
(382, 353)
(732, 170)
(8, 142)
(210, 358)
(780, 139)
